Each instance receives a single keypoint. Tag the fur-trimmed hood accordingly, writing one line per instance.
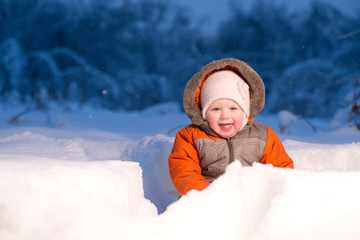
(192, 89)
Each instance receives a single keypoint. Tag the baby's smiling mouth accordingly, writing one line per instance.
(225, 126)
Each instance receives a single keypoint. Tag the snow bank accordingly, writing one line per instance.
(263, 202)
(44, 198)
(324, 157)
(152, 153)
(53, 199)
(106, 177)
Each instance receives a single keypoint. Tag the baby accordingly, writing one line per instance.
(222, 100)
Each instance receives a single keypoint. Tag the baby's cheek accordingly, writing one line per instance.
(214, 126)
(240, 121)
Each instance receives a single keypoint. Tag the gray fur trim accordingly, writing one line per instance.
(256, 84)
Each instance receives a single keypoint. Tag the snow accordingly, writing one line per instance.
(97, 174)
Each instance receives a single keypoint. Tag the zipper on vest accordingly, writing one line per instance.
(231, 151)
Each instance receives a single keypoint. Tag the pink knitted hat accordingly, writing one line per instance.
(225, 84)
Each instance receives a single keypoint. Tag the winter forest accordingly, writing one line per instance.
(129, 55)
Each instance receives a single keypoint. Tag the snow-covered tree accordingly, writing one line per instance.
(132, 54)
(12, 63)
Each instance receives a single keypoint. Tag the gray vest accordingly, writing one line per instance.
(247, 146)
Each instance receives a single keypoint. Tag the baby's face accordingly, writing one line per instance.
(225, 117)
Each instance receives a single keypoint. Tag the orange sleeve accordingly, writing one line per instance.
(274, 152)
(184, 164)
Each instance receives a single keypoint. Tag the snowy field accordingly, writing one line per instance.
(95, 174)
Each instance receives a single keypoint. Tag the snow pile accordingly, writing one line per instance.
(263, 202)
(97, 178)
(324, 157)
(43, 198)
(152, 153)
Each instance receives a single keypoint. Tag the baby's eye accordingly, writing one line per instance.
(216, 109)
(233, 108)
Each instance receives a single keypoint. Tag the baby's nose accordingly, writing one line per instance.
(224, 114)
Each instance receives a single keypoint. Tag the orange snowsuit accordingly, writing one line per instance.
(199, 155)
